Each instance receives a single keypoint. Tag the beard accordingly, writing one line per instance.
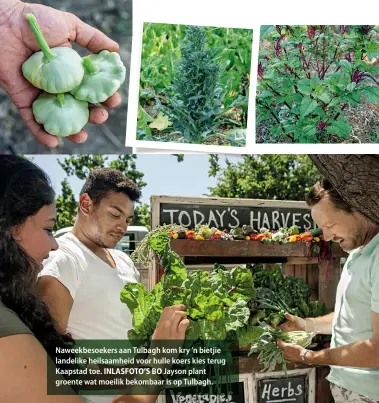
(100, 236)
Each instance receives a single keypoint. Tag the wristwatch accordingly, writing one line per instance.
(304, 356)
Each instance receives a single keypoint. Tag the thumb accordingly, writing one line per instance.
(89, 37)
(290, 318)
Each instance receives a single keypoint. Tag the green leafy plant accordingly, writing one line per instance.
(194, 84)
(196, 97)
(308, 75)
(269, 354)
(216, 302)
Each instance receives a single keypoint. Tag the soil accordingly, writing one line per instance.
(114, 18)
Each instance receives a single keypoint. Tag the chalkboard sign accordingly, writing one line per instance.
(282, 390)
(192, 394)
(230, 213)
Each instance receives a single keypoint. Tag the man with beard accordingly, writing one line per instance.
(82, 280)
(354, 324)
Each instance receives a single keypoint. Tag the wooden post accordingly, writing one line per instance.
(328, 282)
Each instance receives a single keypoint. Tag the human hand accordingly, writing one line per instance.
(172, 324)
(293, 324)
(18, 44)
(292, 352)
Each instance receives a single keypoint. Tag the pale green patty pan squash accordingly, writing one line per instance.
(61, 115)
(55, 70)
(103, 76)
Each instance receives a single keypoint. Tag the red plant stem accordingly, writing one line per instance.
(339, 113)
(278, 94)
(277, 119)
(334, 58)
(316, 58)
(292, 71)
(323, 57)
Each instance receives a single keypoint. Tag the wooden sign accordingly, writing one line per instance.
(224, 213)
(185, 395)
(282, 390)
(298, 386)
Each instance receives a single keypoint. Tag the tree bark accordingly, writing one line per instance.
(356, 179)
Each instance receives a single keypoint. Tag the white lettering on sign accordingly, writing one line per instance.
(195, 214)
(257, 220)
(275, 221)
(212, 218)
(221, 218)
(233, 214)
(230, 218)
(296, 220)
(280, 395)
(308, 224)
(266, 222)
(171, 212)
(182, 213)
(285, 219)
(202, 398)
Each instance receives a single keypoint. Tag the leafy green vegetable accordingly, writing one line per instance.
(216, 302)
(269, 354)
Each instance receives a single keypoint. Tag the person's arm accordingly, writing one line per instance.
(321, 325)
(23, 372)
(58, 283)
(57, 298)
(361, 354)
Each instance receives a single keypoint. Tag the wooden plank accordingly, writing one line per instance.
(323, 393)
(187, 247)
(289, 269)
(328, 282)
(312, 280)
(301, 271)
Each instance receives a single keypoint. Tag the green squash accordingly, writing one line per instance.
(61, 115)
(104, 74)
(55, 70)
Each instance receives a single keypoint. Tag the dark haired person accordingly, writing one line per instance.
(354, 324)
(82, 280)
(28, 335)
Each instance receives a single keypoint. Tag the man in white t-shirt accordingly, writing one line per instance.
(82, 280)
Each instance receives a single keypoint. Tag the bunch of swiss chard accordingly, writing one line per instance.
(217, 302)
(308, 75)
(69, 82)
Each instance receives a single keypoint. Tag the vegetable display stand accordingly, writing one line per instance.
(322, 278)
(314, 262)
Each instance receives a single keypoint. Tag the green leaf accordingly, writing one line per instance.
(371, 94)
(346, 66)
(139, 301)
(350, 87)
(248, 334)
(265, 30)
(160, 123)
(237, 315)
(324, 97)
(340, 128)
(314, 80)
(307, 106)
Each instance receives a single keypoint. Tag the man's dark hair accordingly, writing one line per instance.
(103, 180)
(324, 189)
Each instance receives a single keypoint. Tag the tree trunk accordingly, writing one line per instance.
(356, 179)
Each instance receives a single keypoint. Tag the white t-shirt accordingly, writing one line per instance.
(97, 312)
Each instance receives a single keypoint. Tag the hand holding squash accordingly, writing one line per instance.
(19, 43)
